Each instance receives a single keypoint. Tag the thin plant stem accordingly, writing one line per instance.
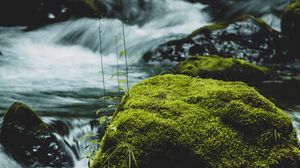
(125, 49)
(101, 57)
(117, 55)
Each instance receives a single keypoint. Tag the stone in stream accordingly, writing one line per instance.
(29, 140)
(290, 26)
(175, 121)
(245, 38)
(222, 10)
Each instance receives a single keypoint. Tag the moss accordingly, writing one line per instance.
(222, 68)
(91, 4)
(218, 26)
(95, 6)
(22, 115)
(294, 6)
(179, 121)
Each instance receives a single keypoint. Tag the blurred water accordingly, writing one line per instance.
(58, 66)
(56, 69)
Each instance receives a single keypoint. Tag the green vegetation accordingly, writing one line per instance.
(179, 121)
(222, 68)
(295, 6)
(217, 26)
(23, 115)
(91, 4)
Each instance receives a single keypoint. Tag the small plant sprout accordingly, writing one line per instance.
(124, 51)
(126, 149)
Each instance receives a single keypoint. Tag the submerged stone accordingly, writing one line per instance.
(290, 25)
(177, 121)
(245, 38)
(227, 69)
(29, 140)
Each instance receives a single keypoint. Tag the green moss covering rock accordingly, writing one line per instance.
(228, 69)
(175, 121)
(290, 26)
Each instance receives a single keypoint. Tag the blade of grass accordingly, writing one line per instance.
(118, 77)
(101, 57)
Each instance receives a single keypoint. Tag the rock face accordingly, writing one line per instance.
(29, 140)
(35, 13)
(290, 26)
(220, 10)
(227, 69)
(177, 121)
(246, 38)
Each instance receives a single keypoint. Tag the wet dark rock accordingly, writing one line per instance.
(34, 13)
(60, 127)
(246, 38)
(29, 140)
(221, 10)
(290, 26)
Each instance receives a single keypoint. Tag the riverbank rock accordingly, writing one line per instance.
(35, 13)
(245, 38)
(29, 140)
(290, 25)
(227, 69)
(177, 121)
(220, 10)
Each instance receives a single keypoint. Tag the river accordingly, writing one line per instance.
(56, 69)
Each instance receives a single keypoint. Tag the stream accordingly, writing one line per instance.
(56, 69)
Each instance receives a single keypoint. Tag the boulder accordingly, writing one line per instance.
(175, 121)
(290, 25)
(245, 38)
(226, 69)
(222, 10)
(29, 140)
(35, 13)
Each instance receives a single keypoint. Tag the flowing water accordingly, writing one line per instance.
(56, 69)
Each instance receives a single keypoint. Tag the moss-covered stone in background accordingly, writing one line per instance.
(290, 26)
(177, 121)
(246, 37)
(228, 69)
(28, 139)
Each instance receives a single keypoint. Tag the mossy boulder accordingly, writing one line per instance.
(176, 121)
(30, 141)
(247, 38)
(227, 69)
(290, 25)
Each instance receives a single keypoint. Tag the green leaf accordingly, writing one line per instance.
(103, 119)
(120, 88)
(122, 81)
(122, 53)
(111, 106)
(100, 111)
